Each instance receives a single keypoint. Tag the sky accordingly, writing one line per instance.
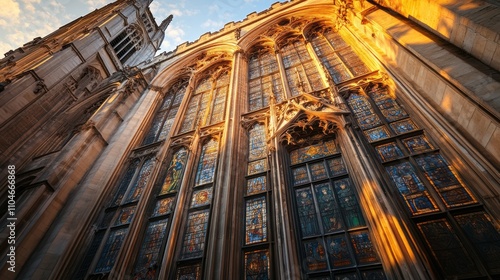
(23, 20)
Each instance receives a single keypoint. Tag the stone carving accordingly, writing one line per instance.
(40, 87)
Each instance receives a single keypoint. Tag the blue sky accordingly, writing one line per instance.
(23, 20)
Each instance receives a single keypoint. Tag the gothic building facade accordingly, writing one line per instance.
(313, 140)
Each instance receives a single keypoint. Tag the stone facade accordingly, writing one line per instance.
(312, 140)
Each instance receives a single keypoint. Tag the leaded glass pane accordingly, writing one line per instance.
(300, 175)
(257, 265)
(338, 251)
(149, 254)
(377, 133)
(313, 152)
(328, 208)
(481, 231)
(255, 220)
(447, 249)
(90, 255)
(196, 231)
(264, 80)
(125, 216)
(192, 272)
(403, 126)
(201, 197)
(389, 151)
(122, 188)
(138, 187)
(417, 144)
(377, 274)
(330, 59)
(315, 255)
(363, 248)
(163, 206)
(190, 115)
(257, 166)
(153, 131)
(256, 185)
(302, 75)
(175, 170)
(347, 276)
(411, 189)
(389, 108)
(219, 105)
(363, 111)
(353, 62)
(110, 250)
(336, 166)
(318, 171)
(208, 162)
(349, 203)
(443, 178)
(257, 142)
(307, 213)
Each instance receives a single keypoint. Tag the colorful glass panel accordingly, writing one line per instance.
(442, 177)
(219, 105)
(194, 238)
(403, 126)
(417, 144)
(315, 255)
(330, 59)
(255, 221)
(353, 62)
(124, 183)
(307, 213)
(311, 152)
(164, 206)
(257, 166)
(190, 115)
(138, 187)
(336, 167)
(363, 111)
(264, 80)
(338, 251)
(173, 177)
(318, 171)
(208, 162)
(389, 151)
(257, 145)
(447, 249)
(328, 209)
(363, 247)
(300, 175)
(481, 231)
(377, 133)
(191, 272)
(257, 265)
(110, 251)
(348, 203)
(388, 106)
(149, 254)
(201, 197)
(256, 185)
(125, 216)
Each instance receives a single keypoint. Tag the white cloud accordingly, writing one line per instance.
(96, 4)
(9, 13)
(209, 23)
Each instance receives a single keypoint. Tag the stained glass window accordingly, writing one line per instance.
(338, 251)
(442, 177)
(147, 262)
(257, 166)
(448, 249)
(141, 181)
(389, 151)
(417, 144)
(264, 79)
(363, 111)
(201, 197)
(90, 255)
(124, 183)
(301, 73)
(480, 229)
(349, 203)
(411, 189)
(300, 175)
(377, 133)
(318, 171)
(256, 185)
(255, 220)
(307, 213)
(363, 247)
(110, 252)
(403, 126)
(315, 255)
(191, 272)
(313, 152)
(173, 177)
(328, 209)
(194, 237)
(389, 108)
(208, 162)
(163, 206)
(336, 166)
(219, 104)
(257, 265)
(125, 216)
(257, 145)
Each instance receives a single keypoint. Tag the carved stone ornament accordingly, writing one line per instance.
(307, 129)
(249, 121)
(40, 87)
(209, 58)
(186, 141)
(237, 33)
(212, 131)
(150, 150)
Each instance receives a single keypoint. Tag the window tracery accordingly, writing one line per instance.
(127, 43)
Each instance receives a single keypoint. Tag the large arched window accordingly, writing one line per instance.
(208, 102)
(264, 79)
(453, 224)
(334, 238)
(127, 43)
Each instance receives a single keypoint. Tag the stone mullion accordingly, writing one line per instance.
(321, 69)
(282, 73)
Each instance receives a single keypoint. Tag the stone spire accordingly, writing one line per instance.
(164, 24)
